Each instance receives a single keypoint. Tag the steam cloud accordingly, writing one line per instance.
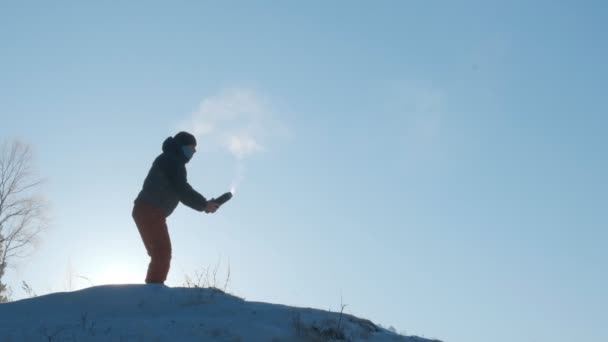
(238, 120)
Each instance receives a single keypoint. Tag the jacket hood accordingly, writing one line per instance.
(174, 149)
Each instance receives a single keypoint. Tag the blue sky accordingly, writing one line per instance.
(441, 167)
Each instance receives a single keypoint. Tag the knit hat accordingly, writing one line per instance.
(185, 138)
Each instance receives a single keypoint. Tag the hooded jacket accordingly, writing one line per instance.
(166, 184)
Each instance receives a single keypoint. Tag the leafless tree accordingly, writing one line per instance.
(22, 211)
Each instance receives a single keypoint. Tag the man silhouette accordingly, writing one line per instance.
(164, 187)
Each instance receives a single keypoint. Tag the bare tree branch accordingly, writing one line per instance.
(22, 213)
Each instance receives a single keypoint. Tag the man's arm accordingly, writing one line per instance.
(187, 195)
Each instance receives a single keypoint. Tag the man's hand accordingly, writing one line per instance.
(211, 207)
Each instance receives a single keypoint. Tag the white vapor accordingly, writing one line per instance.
(238, 120)
(238, 178)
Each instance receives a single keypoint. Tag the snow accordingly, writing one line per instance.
(160, 313)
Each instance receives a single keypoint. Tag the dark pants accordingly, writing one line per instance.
(152, 226)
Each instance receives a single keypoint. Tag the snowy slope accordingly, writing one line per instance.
(160, 313)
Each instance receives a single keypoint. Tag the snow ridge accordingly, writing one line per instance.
(160, 313)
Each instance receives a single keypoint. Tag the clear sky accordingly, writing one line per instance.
(439, 166)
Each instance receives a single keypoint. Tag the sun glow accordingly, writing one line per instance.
(117, 273)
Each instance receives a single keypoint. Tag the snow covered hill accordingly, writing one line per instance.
(159, 313)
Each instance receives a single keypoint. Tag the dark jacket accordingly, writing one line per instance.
(166, 184)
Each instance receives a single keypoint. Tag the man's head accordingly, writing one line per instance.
(185, 138)
(187, 142)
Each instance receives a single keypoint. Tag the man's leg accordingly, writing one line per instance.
(152, 227)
